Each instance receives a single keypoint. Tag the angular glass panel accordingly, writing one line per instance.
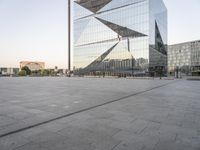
(158, 37)
(120, 30)
(85, 55)
(80, 12)
(119, 60)
(137, 13)
(95, 64)
(115, 4)
(159, 45)
(79, 27)
(119, 52)
(93, 5)
(95, 32)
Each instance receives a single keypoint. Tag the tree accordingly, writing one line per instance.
(22, 73)
(45, 72)
(28, 71)
(52, 72)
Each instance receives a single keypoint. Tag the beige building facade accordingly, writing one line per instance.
(33, 65)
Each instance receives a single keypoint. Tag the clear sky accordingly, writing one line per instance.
(37, 29)
(183, 20)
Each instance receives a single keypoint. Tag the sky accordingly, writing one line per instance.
(36, 30)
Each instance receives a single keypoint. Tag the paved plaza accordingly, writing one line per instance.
(99, 114)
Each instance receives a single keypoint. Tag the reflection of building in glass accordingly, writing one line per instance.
(119, 36)
(33, 65)
(184, 57)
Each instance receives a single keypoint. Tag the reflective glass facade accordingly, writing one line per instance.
(113, 37)
(185, 57)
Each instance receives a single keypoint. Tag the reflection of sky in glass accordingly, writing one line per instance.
(119, 3)
(120, 52)
(86, 54)
(95, 32)
(138, 13)
(80, 11)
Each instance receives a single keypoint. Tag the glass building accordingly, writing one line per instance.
(119, 37)
(184, 58)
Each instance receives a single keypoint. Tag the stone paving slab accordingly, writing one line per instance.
(164, 118)
(28, 101)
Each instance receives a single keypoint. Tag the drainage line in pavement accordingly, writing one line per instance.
(80, 111)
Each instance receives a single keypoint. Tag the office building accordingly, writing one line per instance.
(8, 71)
(184, 58)
(114, 37)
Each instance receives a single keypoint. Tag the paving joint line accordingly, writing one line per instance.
(82, 110)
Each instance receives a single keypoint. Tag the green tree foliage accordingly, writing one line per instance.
(28, 71)
(22, 73)
(45, 72)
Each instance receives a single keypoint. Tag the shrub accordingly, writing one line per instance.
(22, 73)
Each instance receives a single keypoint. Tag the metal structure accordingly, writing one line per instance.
(69, 35)
(117, 37)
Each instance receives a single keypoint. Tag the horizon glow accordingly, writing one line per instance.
(36, 30)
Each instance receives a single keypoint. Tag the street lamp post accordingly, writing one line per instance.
(132, 65)
(180, 64)
(132, 60)
(69, 36)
